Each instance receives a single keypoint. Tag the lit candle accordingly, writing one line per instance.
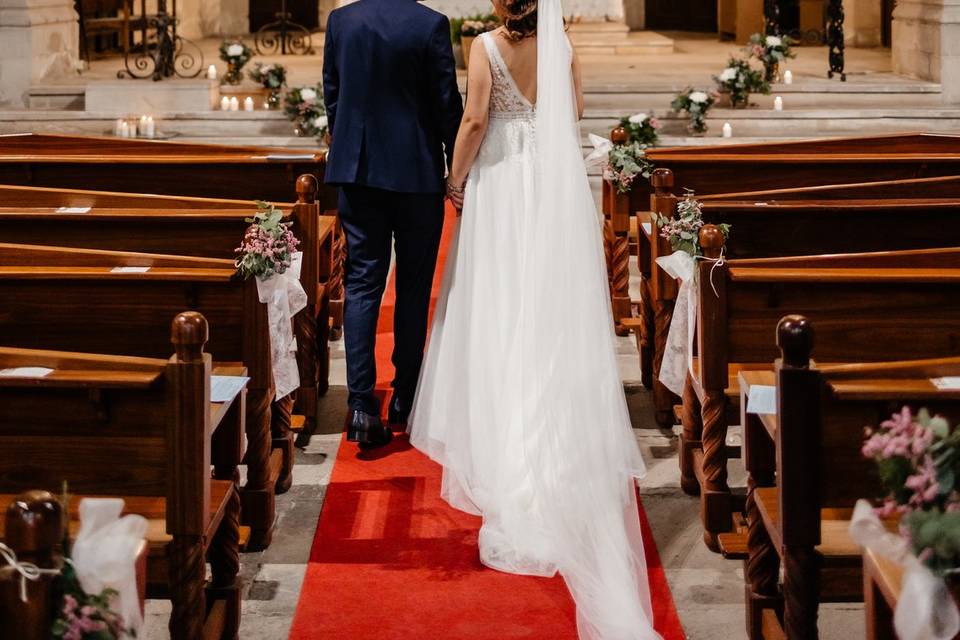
(212, 72)
(248, 104)
(143, 125)
(151, 127)
(225, 103)
(778, 104)
(118, 127)
(727, 130)
(788, 77)
(234, 104)
(125, 129)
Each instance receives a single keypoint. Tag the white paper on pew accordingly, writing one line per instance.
(648, 228)
(286, 157)
(25, 372)
(947, 384)
(226, 388)
(129, 269)
(73, 210)
(762, 400)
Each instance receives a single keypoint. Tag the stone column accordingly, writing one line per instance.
(39, 40)
(862, 23)
(926, 43)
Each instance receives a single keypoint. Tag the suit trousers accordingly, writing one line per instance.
(373, 220)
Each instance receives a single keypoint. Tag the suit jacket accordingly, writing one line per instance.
(390, 89)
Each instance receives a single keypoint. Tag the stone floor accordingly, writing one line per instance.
(707, 589)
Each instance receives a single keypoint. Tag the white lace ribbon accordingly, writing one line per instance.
(105, 552)
(284, 296)
(678, 356)
(27, 570)
(601, 150)
(925, 610)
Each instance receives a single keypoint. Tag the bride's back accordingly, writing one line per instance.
(520, 57)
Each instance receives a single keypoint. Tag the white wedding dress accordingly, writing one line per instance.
(520, 398)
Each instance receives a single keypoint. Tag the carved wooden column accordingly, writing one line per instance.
(798, 405)
(188, 495)
(663, 290)
(619, 219)
(835, 39)
(34, 531)
(716, 499)
(690, 438)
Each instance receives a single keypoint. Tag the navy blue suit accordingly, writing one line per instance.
(390, 89)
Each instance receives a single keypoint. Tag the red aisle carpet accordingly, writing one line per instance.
(392, 561)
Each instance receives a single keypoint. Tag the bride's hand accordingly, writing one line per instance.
(455, 194)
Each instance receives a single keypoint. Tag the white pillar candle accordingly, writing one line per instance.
(248, 104)
(788, 77)
(727, 130)
(118, 127)
(150, 127)
(224, 103)
(143, 125)
(125, 129)
(778, 104)
(234, 104)
(212, 72)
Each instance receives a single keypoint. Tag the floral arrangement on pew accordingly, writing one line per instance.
(918, 461)
(771, 51)
(268, 245)
(683, 230)
(304, 107)
(623, 158)
(642, 128)
(697, 105)
(236, 54)
(269, 253)
(272, 77)
(84, 616)
(739, 80)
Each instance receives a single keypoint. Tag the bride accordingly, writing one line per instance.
(520, 399)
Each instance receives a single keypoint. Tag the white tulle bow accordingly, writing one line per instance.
(284, 296)
(678, 355)
(925, 610)
(105, 552)
(601, 149)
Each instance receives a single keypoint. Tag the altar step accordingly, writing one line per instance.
(614, 38)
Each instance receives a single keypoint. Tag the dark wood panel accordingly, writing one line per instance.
(682, 15)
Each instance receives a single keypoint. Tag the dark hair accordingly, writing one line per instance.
(520, 19)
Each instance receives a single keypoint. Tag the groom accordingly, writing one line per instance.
(390, 87)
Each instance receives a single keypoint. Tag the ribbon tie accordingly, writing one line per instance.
(284, 296)
(27, 570)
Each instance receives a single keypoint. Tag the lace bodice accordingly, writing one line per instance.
(506, 100)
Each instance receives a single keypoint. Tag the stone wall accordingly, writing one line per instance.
(862, 23)
(38, 41)
(926, 43)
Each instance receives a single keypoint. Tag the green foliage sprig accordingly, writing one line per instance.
(268, 245)
(683, 231)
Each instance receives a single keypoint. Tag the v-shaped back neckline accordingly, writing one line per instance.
(494, 49)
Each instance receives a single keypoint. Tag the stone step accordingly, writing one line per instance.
(598, 26)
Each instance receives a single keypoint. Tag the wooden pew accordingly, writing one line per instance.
(208, 232)
(863, 306)
(42, 203)
(151, 166)
(939, 187)
(771, 228)
(805, 473)
(145, 430)
(740, 167)
(72, 300)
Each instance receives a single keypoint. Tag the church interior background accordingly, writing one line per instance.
(862, 67)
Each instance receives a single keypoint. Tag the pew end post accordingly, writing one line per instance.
(660, 294)
(34, 530)
(617, 213)
(798, 475)
(716, 499)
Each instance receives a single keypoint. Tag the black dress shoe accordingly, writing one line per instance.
(398, 411)
(368, 431)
